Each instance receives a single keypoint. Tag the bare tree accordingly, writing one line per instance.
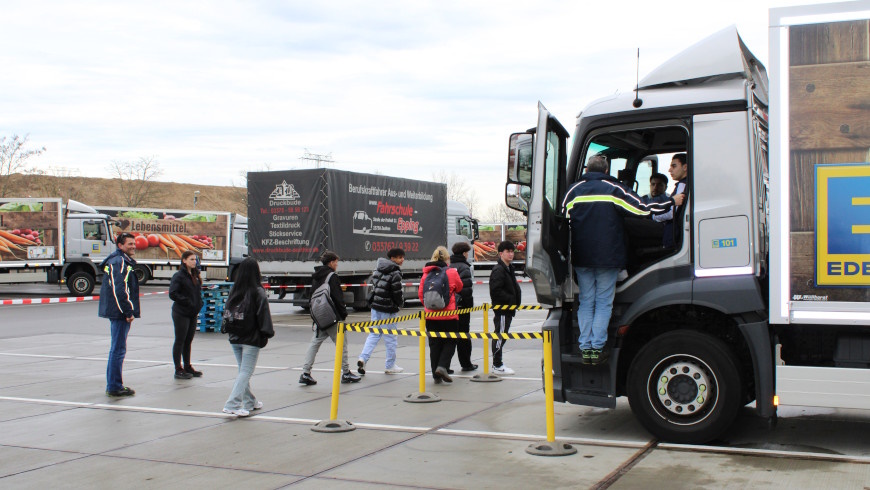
(136, 179)
(458, 189)
(13, 159)
(499, 213)
(240, 188)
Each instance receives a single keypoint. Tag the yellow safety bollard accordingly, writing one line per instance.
(486, 377)
(422, 396)
(333, 424)
(550, 447)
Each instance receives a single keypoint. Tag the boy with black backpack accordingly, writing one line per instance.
(325, 274)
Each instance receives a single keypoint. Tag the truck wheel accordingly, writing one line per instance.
(80, 284)
(142, 274)
(685, 387)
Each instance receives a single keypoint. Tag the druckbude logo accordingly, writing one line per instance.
(284, 194)
(843, 225)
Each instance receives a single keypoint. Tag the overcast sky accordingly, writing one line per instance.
(402, 88)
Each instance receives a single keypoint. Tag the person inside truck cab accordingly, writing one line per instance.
(679, 171)
(657, 185)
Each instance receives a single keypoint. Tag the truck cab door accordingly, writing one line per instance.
(548, 235)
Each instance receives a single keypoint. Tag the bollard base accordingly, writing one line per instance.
(425, 397)
(333, 426)
(486, 378)
(547, 448)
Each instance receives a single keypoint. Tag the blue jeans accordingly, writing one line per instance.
(241, 397)
(117, 351)
(390, 341)
(597, 288)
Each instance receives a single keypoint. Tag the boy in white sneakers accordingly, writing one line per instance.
(385, 301)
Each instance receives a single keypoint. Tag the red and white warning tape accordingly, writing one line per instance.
(70, 299)
(406, 284)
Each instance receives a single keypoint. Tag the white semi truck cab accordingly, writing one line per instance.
(746, 305)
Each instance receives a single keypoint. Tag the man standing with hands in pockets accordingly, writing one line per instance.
(119, 302)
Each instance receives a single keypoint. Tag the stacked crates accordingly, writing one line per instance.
(214, 296)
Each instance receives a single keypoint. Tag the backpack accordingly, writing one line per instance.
(235, 321)
(436, 289)
(322, 308)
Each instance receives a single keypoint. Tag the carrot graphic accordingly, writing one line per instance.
(15, 238)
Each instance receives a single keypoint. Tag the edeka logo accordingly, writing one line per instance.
(843, 225)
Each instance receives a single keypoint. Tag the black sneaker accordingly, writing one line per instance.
(306, 379)
(194, 372)
(449, 371)
(361, 367)
(122, 392)
(349, 377)
(599, 356)
(182, 375)
(586, 356)
(471, 367)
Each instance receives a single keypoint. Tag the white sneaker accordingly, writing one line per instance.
(396, 369)
(241, 412)
(258, 405)
(503, 370)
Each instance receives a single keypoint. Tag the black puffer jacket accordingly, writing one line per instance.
(504, 288)
(186, 294)
(386, 284)
(260, 336)
(320, 273)
(464, 298)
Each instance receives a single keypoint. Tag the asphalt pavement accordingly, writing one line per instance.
(59, 430)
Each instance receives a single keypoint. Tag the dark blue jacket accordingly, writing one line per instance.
(119, 293)
(596, 205)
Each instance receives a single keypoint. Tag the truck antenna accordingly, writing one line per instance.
(637, 100)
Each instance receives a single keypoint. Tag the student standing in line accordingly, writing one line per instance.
(248, 297)
(504, 290)
(386, 299)
(441, 350)
(185, 291)
(464, 299)
(329, 261)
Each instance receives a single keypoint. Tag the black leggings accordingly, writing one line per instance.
(463, 346)
(185, 328)
(441, 350)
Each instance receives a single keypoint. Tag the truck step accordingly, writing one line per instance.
(590, 398)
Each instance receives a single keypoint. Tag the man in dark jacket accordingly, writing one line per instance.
(119, 302)
(464, 299)
(596, 205)
(321, 272)
(504, 290)
(385, 300)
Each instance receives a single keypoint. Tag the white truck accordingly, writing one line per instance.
(766, 296)
(295, 215)
(43, 241)
(219, 239)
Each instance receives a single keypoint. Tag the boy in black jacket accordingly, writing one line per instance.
(503, 290)
(385, 300)
(321, 272)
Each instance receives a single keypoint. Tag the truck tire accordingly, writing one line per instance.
(684, 387)
(143, 274)
(80, 283)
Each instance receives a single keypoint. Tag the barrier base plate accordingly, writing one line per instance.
(333, 426)
(425, 397)
(547, 448)
(486, 378)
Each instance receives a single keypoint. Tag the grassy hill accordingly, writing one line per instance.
(107, 192)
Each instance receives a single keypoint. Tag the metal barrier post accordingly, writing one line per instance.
(550, 447)
(422, 396)
(486, 377)
(333, 424)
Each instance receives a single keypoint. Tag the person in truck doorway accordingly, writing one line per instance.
(385, 300)
(504, 290)
(679, 171)
(596, 205)
(321, 272)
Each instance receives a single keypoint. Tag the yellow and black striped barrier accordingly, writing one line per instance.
(358, 327)
(516, 307)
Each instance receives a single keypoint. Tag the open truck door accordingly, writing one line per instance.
(536, 183)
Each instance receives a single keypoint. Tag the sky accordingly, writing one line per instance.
(211, 89)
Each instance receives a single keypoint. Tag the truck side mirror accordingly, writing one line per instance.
(517, 197)
(520, 155)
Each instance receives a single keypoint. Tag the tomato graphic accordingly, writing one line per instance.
(153, 240)
(141, 243)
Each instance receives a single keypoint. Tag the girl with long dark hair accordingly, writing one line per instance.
(185, 291)
(247, 296)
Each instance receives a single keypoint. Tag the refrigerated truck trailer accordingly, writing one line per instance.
(45, 241)
(295, 215)
(765, 297)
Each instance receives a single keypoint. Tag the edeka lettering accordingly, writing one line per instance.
(848, 268)
(406, 226)
(395, 209)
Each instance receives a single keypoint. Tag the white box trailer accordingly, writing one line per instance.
(765, 295)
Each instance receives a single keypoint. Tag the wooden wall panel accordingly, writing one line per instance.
(835, 42)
